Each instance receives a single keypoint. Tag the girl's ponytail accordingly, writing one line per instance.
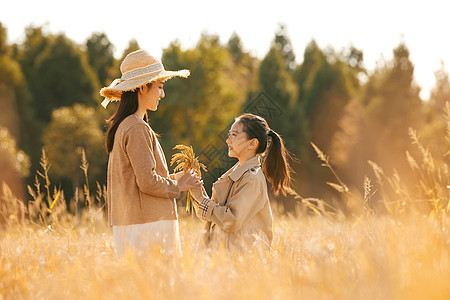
(276, 166)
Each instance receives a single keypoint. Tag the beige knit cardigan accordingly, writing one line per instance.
(139, 189)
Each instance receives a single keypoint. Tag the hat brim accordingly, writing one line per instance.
(114, 91)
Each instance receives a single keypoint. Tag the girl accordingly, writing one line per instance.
(239, 215)
(141, 193)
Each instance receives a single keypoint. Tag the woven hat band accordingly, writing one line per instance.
(153, 68)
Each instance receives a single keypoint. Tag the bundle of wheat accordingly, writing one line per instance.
(186, 161)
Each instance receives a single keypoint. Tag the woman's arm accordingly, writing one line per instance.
(139, 147)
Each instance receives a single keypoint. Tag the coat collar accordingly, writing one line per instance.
(221, 188)
(240, 170)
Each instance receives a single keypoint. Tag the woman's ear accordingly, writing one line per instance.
(142, 89)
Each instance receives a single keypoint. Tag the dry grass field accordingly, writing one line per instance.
(313, 257)
(400, 252)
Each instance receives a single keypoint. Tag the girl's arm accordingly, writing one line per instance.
(246, 202)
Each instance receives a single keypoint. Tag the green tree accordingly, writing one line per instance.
(275, 78)
(16, 111)
(36, 42)
(326, 81)
(325, 87)
(278, 83)
(351, 61)
(235, 47)
(203, 105)
(133, 45)
(434, 129)
(65, 78)
(377, 121)
(331, 89)
(440, 94)
(4, 48)
(100, 56)
(30, 127)
(283, 44)
(11, 77)
(393, 103)
(245, 67)
(57, 74)
(71, 130)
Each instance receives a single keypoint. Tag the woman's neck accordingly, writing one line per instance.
(140, 112)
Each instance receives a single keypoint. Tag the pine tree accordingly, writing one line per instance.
(440, 94)
(283, 44)
(100, 56)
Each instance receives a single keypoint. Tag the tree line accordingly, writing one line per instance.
(49, 100)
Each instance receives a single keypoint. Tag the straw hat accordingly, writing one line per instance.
(138, 68)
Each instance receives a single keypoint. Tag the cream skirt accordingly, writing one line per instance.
(161, 236)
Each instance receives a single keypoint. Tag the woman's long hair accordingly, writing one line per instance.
(128, 105)
(275, 164)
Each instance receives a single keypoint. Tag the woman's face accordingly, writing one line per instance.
(150, 96)
(237, 141)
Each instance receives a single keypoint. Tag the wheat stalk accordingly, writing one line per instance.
(341, 187)
(186, 160)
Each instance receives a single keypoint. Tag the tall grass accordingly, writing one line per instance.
(312, 258)
(395, 244)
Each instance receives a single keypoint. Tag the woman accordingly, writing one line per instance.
(239, 215)
(141, 193)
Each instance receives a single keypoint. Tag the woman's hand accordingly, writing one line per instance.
(176, 176)
(189, 180)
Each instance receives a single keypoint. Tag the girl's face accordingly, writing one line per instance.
(150, 96)
(239, 145)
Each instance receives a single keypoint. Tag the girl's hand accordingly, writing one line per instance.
(189, 180)
(199, 194)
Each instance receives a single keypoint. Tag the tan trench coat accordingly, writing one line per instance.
(238, 215)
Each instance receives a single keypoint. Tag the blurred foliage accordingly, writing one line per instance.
(14, 163)
(196, 110)
(11, 157)
(440, 94)
(57, 74)
(277, 82)
(283, 44)
(133, 45)
(62, 77)
(71, 130)
(436, 118)
(49, 96)
(326, 80)
(100, 56)
(11, 77)
(375, 124)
